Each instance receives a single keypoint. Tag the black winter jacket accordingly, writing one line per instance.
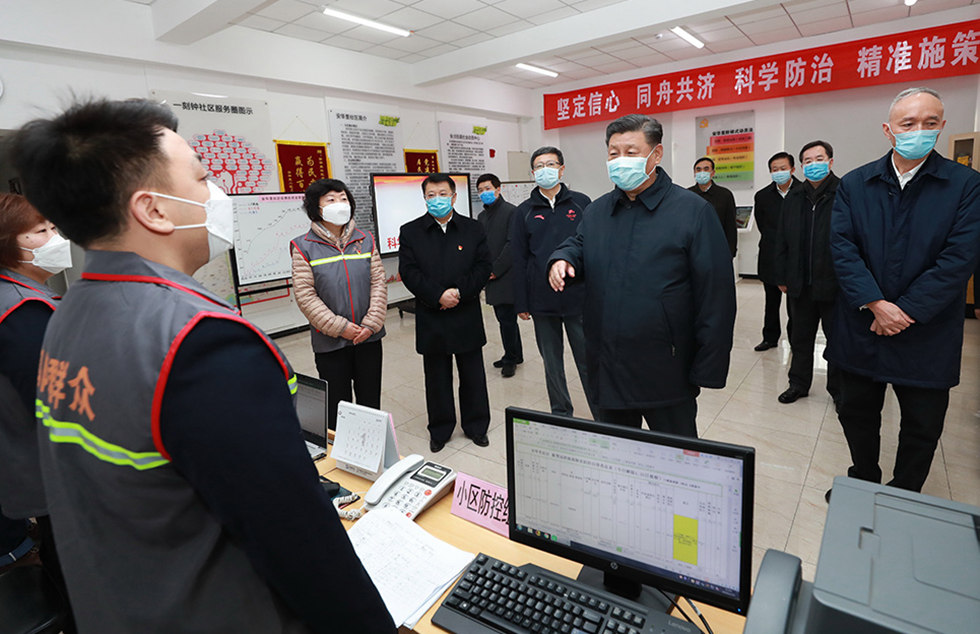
(803, 247)
(537, 230)
(431, 261)
(660, 296)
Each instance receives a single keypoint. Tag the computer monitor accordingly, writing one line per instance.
(311, 407)
(664, 511)
(398, 199)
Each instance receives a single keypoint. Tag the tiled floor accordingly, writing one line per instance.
(799, 447)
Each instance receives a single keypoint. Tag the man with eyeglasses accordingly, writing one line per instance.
(551, 214)
(905, 238)
(804, 270)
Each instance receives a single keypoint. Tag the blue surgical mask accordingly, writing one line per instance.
(816, 172)
(781, 177)
(702, 178)
(914, 144)
(546, 177)
(628, 172)
(488, 197)
(439, 206)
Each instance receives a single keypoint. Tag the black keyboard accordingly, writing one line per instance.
(493, 596)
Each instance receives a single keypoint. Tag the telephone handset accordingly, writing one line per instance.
(411, 485)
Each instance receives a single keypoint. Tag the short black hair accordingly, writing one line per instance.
(318, 189)
(823, 144)
(488, 177)
(781, 155)
(652, 130)
(80, 168)
(439, 178)
(705, 158)
(547, 149)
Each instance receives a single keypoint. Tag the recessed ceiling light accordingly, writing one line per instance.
(365, 22)
(535, 69)
(693, 41)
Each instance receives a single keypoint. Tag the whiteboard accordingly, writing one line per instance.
(264, 225)
(516, 192)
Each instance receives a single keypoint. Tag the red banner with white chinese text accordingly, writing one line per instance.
(301, 164)
(911, 57)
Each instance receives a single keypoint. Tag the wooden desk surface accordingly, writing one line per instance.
(439, 522)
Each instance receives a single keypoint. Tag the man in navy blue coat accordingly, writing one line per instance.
(659, 293)
(905, 237)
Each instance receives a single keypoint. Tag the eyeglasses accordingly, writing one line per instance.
(551, 164)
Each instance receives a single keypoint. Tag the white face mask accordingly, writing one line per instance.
(337, 213)
(54, 256)
(219, 219)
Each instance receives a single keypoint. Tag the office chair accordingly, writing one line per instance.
(29, 602)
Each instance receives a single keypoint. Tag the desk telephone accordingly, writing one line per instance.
(411, 485)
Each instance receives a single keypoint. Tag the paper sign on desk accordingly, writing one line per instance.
(409, 567)
(364, 443)
(481, 502)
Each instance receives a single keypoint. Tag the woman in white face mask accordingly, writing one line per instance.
(341, 288)
(31, 251)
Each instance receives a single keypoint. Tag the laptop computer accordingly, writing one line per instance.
(311, 408)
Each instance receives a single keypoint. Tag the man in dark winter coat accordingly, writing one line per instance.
(804, 269)
(552, 213)
(721, 198)
(906, 233)
(444, 261)
(660, 295)
(495, 219)
(768, 209)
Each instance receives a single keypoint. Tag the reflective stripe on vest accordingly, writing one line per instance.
(63, 432)
(293, 387)
(338, 258)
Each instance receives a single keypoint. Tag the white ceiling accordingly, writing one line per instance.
(451, 27)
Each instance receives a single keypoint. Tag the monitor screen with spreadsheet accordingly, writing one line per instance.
(646, 508)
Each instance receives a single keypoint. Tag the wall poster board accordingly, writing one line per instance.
(729, 139)
(464, 149)
(264, 225)
(516, 192)
(363, 143)
(301, 164)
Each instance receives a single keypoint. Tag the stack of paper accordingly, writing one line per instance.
(410, 567)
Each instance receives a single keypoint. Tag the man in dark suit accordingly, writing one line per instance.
(805, 271)
(444, 261)
(768, 208)
(721, 198)
(495, 219)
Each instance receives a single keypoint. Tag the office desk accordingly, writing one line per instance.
(439, 522)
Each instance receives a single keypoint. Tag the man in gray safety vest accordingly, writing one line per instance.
(181, 492)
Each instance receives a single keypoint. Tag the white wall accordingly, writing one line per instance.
(851, 120)
(39, 83)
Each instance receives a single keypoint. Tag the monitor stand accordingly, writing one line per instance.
(626, 588)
